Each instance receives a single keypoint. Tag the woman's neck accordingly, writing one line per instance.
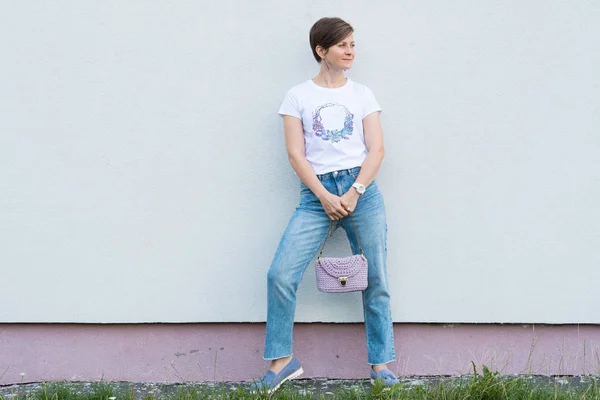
(329, 78)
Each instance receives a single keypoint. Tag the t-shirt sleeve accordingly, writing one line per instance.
(370, 104)
(289, 106)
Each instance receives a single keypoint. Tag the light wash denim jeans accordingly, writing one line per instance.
(300, 243)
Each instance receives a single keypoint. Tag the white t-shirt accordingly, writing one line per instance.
(332, 122)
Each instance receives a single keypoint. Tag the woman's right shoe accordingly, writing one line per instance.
(385, 375)
(272, 381)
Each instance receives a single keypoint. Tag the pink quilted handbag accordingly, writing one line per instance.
(346, 274)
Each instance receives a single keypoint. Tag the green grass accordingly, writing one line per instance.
(481, 386)
(66, 391)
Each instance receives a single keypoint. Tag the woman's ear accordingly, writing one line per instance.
(321, 51)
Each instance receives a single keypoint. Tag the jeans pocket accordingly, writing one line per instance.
(353, 172)
(373, 186)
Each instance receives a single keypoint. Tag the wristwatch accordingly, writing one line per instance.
(360, 188)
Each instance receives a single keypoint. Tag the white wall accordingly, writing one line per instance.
(143, 175)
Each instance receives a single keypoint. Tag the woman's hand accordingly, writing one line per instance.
(349, 200)
(333, 206)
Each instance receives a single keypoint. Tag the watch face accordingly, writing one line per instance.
(359, 188)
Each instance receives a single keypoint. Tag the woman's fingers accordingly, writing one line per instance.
(351, 207)
(334, 216)
(341, 211)
(338, 210)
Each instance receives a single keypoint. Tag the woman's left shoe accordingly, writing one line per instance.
(387, 376)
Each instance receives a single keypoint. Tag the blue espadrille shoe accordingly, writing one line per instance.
(385, 375)
(271, 381)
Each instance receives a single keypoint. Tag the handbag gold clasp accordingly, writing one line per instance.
(343, 280)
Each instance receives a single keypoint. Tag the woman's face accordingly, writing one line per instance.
(341, 55)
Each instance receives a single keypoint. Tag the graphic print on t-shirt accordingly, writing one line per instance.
(333, 114)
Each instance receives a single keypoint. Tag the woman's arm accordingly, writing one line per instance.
(294, 143)
(374, 143)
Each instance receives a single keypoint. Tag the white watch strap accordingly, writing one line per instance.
(360, 188)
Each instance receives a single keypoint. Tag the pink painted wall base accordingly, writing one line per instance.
(233, 352)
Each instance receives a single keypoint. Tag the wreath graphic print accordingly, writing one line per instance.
(333, 135)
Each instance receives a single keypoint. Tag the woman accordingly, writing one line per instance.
(334, 141)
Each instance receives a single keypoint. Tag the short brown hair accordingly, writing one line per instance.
(327, 32)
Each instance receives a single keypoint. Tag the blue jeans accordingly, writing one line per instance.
(301, 241)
